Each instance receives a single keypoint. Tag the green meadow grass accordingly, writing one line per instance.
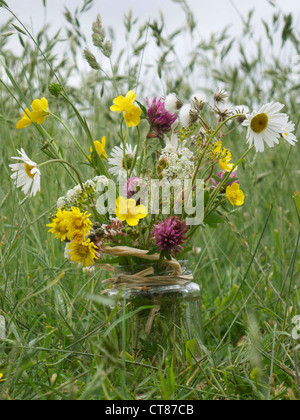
(60, 338)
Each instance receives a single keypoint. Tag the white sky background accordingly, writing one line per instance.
(210, 15)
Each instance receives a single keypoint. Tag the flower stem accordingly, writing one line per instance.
(65, 162)
(68, 130)
(136, 153)
(210, 140)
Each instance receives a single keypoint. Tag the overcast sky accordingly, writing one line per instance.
(210, 15)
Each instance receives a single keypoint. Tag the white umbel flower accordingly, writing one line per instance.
(178, 163)
(287, 133)
(117, 160)
(26, 174)
(265, 126)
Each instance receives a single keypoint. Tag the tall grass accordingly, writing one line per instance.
(60, 340)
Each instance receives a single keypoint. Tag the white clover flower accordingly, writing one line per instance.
(74, 194)
(287, 133)
(61, 202)
(265, 126)
(77, 190)
(100, 182)
(185, 115)
(171, 103)
(26, 174)
(90, 184)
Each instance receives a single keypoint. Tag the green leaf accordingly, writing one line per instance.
(189, 350)
(19, 29)
(213, 219)
(143, 108)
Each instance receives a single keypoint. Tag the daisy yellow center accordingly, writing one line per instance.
(28, 170)
(259, 123)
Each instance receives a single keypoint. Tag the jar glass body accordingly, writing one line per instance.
(158, 319)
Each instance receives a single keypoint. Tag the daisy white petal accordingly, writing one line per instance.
(287, 133)
(26, 174)
(117, 160)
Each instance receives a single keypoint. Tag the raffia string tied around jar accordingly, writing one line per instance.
(145, 278)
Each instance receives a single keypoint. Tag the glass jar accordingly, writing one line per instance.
(159, 319)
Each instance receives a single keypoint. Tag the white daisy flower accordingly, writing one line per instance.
(287, 133)
(117, 160)
(26, 174)
(265, 125)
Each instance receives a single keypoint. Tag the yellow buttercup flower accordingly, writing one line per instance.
(84, 253)
(128, 211)
(121, 103)
(40, 110)
(39, 113)
(1, 376)
(132, 113)
(100, 148)
(25, 121)
(235, 195)
(224, 156)
(132, 116)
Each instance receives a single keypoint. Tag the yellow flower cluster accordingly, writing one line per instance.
(39, 113)
(132, 113)
(69, 225)
(224, 156)
(75, 226)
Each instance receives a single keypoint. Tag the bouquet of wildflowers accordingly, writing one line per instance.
(148, 195)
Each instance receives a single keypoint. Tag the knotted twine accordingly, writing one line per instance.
(146, 277)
